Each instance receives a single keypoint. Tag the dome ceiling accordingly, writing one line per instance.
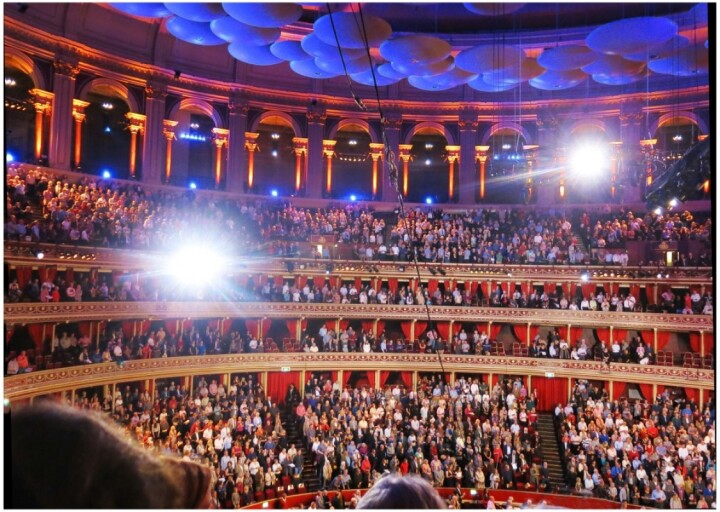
(440, 46)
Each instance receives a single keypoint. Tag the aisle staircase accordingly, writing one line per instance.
(309, 474)
(551, 450)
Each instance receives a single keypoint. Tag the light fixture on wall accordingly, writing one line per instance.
(107, 105)
(429, 145)
(275, 136)
(194, 126)
(677, 138)
(9, 82)
(352, 142)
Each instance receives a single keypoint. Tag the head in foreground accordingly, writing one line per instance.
(396, 492)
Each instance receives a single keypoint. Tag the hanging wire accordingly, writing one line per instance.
(358, 100)
(393, 176)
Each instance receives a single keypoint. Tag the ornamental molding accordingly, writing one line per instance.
(41, 312)
(77, 377)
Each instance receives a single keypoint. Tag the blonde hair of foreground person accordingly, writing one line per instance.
(66, 458)
(397, 492)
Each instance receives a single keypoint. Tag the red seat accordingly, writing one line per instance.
(259, 496)
(687, 360)
(286, 480)
(269, 494)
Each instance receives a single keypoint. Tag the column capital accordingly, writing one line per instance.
(300, 145)
(481, 153)
(329, 148)
(453, 153)
(66, 68)
(155, 92)
(392, 123)
(136, 122)
(376, 150)
(169, 129)
(78, 111)
(43, 100)
(251, 141)
(468, 119)
(220, 136)
(236, 106)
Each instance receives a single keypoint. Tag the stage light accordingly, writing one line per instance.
(274, 193)
(193, 185)
(673, 202)
(658, 211)
(9, 158)
(10, 82)
(428, 161)
(585, 276)
(108, 129)
(195, 266)
(353, 197)
(588, 160)
(275, 152)
(40, 255)
(106, 174)
(428, 200)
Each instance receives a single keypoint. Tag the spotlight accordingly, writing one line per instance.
(193, 185)
(673, 202)
(9, 158)
(195, 266)
(274, 192)
(506, 146)
(585, 276)
(107, 129)
(353, 197)
(428, 200)
(40, 255)
(659, 276)
(588, 160)
(106, 174)
(10, 82)
(194, 126)
(428, 161)
(107, 105)
(275, 152)
(658, 211)
(352, 142)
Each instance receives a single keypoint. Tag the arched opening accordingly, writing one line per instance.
(428, 167)
(275, 157)
(106, 139)
(19, 116)
(674, 137)
(507, 167)
(352, 164)
(192, 161)
(588, 165)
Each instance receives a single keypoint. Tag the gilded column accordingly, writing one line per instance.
(221, 141)
(631, 133)
(136, 126)
(530, 156)
(60, 148)
(648, 149)
(392, 124)
(468, 124)
(236, 160)
(328, 153)
(481, 155)
(376, 153)
(453, 155)
(251, 146)
(154, 139)
(42, 101)
(405, 158)
(169, 134)
(78, 114)
(316, 117)
(300, 148)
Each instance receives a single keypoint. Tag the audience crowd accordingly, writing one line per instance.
(656, 453)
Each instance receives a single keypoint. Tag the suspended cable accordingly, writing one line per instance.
(358, 100)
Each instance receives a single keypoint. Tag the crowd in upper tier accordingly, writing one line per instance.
(44, 208)
(657, 453)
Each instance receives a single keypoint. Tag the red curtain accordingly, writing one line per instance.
(69, 275)
(603, 334)
(649, 290)
(520, 332)
(619, 387)
(432, 286)
(330, 324)
(384, 375)
(663, 338)
(588, 290)
(171, 327)
(457, 327)
(367, 325)
(419, 329)
(483, 327)
(345, 378)
(319, 282)
(23, 275)
(278, 383)
(709, 343)
(380, 326)
(695, 345)
(291, 325)
(495, 329)
(226, 326)
(692, 394)
(392, 284)
(127, 329)
(84, 328)
(47, 274)
(278, 280)
(534, 331)
(635, 290)
(406, 378)
(35, 331)
(405, 326)
(551, 392)
(443, 329)
(252, 326)
(647, 391)
(344, 324)
(620, 334)
(575, 334)
(371, 378)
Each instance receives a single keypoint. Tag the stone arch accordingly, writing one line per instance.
(197, 105)
(689, 116)
(595, 123)
(434, 126)
(277, 113)
(16, 59)
(111, 88)
(507, 125)
(350, 122)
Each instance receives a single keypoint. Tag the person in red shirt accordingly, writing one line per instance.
(23, 363)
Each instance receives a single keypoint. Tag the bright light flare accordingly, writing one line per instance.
(196, 266)
(589, 160)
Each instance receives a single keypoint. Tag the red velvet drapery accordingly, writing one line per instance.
(392, 284)
(520, 332)
(432, 286)
(171, 327)
(291, 326)
(23, 274)
(127, 328)
(330, 324)
(384, 374)
(406, 378)
(495, 329)
(380, 326)
(84, 327)
(551, 391)
(345, 378)
(619, 388)
(588, 290)
(405, 326)
(47, 274)
(278, 384)
(252, 326)
(443, 329)
(647, 391)
(534, 331)
(265, 328)
(36, 334)
(419, 329)
(620, 334)
(70, 275)
(692, 394)
(663, 338)
(575, 334)
(603, 334)
(319, 282)
(367, 325)
(344, 324)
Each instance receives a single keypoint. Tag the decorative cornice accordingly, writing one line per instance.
(155, 93)
(65, 68)
(40, 312)
(52, 381)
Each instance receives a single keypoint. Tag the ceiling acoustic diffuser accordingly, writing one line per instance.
(289, 50)
(564, 58)
(230, 30)
(194, 32)
(255, 55)
(196, 11)
(268, 15)
(415, 49)
(489, 57)
(631, 35)
(553, 80)
(349, 29)
(143, 10)
(494, 9)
